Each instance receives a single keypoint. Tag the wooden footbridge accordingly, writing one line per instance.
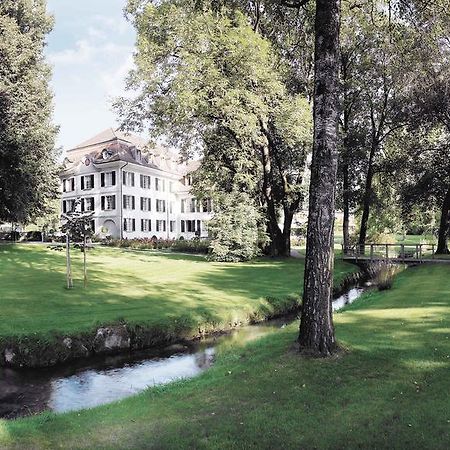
(396, 253)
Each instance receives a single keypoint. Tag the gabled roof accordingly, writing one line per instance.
(121, 146)
(111, 135)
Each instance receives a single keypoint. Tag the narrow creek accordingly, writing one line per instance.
(106, 379)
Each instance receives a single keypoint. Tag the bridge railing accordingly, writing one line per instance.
(402, 252)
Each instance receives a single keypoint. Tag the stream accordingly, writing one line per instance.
(104, 379)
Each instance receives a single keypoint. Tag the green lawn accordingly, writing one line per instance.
(150, 288)
(389, 389)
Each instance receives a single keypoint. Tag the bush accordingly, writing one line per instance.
(385, 274)
(235, 228)
(177, 245)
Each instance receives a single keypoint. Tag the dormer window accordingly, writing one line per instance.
(138, 155)
(106, 154)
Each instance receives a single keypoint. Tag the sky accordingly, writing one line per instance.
(90, 50)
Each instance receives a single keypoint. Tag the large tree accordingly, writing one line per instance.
(316, 325)
(206, 79)
(27, 136)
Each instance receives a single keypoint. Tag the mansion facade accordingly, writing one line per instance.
(133, 192)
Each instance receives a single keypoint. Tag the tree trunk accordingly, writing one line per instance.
(84, 261)
(346, 208)
(68, 264)
(367, 199)
(316, 335)
(287, 228)
(442, 247)
(275, 234)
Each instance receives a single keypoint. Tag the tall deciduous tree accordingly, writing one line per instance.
(27, 136)
(206, 79)
(316, 326)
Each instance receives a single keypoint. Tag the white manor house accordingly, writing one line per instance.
(134, 192)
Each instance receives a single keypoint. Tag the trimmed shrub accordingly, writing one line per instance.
(176, 245)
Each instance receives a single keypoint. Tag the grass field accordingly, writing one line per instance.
(388, 390)
(139, 287)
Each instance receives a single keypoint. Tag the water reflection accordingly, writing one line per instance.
(347, 298)
(109, 378)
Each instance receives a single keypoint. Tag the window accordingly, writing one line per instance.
(129, 225)
(199, 226)
(69, 185)
(128, 178)
(160, 206)
(87, 182)
(188, 226)
(108, 202)
(128, 202)
(160, 225)
(146, 225)
(68, 206)
(146, 204)
(108, 179)
(172, 226)
(92, 226)
(145, 181)
(171, 207)
(160, 185)
(87, 204)
(206, 204)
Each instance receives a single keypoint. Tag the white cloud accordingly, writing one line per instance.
(81, 54)
(112, 24)
(86, 51)
(114, 80)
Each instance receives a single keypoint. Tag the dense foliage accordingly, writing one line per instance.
(237, 228)
(27, 136)
(208, 82)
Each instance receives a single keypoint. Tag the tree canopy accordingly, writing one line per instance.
(27, 136)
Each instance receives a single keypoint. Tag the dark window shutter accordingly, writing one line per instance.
(124, 177)
(123, 202)
(64, 185)
(142, 180)
(132, 179)
(103, 203)
(124, 224)
(132, 202)
(64, 207)
(82, 204)
(134, 224)
(113, 181)
(114, 202)
(149, 224)
(142, 203)
(164, 225)
(82, 183)
(182, 226)
(92, 204)
(92, 180)
(102, 179)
